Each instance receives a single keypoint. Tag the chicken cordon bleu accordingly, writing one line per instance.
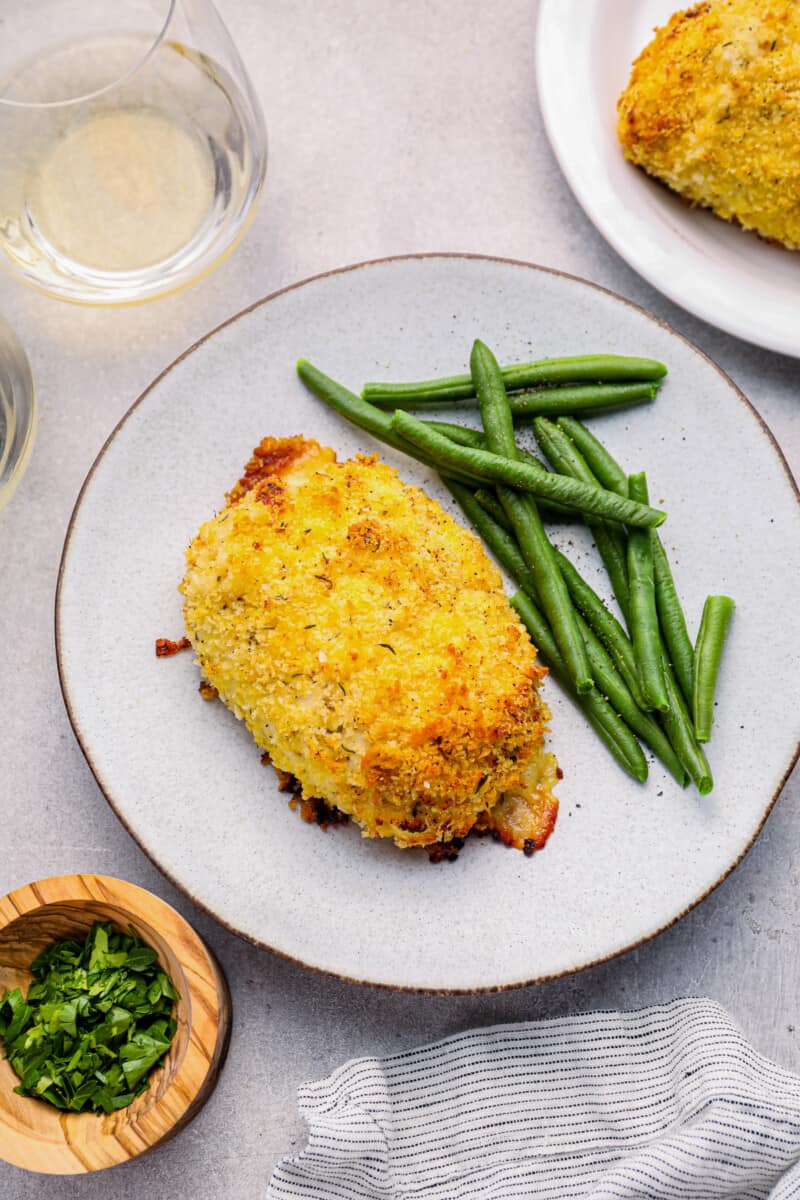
(713, 109)
(363, 636)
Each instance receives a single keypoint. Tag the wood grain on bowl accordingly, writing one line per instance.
(39, 1137)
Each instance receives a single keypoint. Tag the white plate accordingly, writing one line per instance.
(728, 277)
(625, 860)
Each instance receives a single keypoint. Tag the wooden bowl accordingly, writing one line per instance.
(39, 1137)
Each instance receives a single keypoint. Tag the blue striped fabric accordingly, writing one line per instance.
(667, 1103)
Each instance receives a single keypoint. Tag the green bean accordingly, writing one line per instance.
(349, 405)
(489, 502)
(379, 425)
(606, 626)
(500, 540)
(463, 435)
(506, 551)
(548, 507)
(673, 622)
(551, 507)
(363, 414)
(460, 434)
(679, 730)
(645, 633)
(611, 683)
(493, 407)
(607, 724)
(602, 464)
(561, 452)
(525, 520)
(476, 439)
(717, 613)
(536, 463)
(550, 586)
(473, 437)
(610, 540)
(587, 398)
(522, 475)
(587, 368)
(598, 711)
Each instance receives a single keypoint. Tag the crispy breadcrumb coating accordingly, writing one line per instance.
(363, 636)
(713, 110)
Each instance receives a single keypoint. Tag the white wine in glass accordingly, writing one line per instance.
(130, 157)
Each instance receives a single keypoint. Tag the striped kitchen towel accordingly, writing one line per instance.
(668, 1102)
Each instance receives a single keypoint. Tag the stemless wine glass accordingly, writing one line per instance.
(132, 147)
(17, 412)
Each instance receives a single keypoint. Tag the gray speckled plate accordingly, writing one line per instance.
(625, 860)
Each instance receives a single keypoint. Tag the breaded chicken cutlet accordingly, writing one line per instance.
(363, 636)
(713, 110)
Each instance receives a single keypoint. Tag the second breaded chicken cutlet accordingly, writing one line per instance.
(713, 110)
(363, 636)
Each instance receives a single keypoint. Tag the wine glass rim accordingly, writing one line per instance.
(108, 87)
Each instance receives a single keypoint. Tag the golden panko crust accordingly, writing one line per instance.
(713, 110)
(363, 636)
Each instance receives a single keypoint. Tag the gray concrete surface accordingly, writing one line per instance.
(395, 125)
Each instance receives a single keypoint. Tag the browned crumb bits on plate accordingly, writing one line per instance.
(166, 647)
(445, 851)
(317, 812)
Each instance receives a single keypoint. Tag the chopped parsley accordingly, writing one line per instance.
(97, 1019)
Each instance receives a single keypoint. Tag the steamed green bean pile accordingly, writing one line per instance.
(636, 680)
